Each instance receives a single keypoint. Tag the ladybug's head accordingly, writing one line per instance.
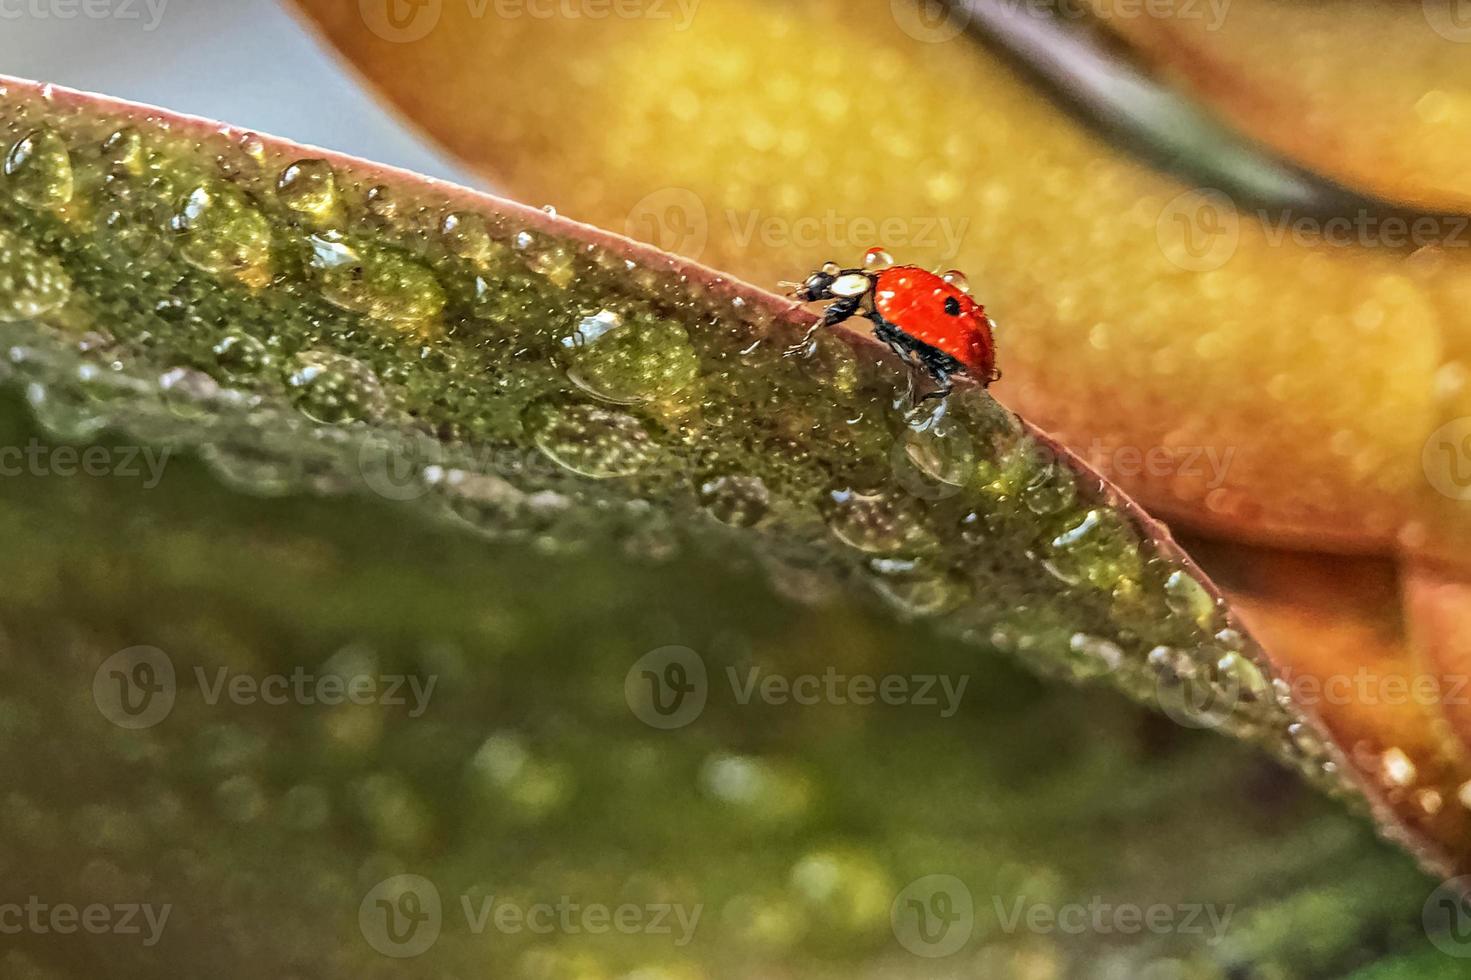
(828, 283)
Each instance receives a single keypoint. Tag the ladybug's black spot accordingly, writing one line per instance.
(952, 306)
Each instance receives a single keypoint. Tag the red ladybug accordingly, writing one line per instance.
(928, 320)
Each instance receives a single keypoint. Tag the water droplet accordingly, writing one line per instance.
(735, 499)
(1244, 675)
(876, 259)
(124, 151)
(639, 361)
(382, 203)
(309, 187)
(957, 279)
(1188, 597)
(468, 237)
(847, 891)
(555, 263)
(1050, 491)
(1397, 769)
(186, 392)
(374, 280)
(31, 284)
(878, 523)
(505, 771)
(918, 591)
(66, 414)
(934, 446)
(1099, 549)
(590, 440)
(223, 235)
(243, 357)
(769, 792)
(1095, 656)
(333, 388)
(39, 169)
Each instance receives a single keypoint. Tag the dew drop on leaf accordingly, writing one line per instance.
(374, 280)
(735, 499)
(590, 440)
(309, 187)
(333, 387)
(222, 234)
(1189, 598)
(639, 361)
(38, 171)
(878, 523)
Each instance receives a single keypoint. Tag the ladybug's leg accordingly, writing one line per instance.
(939, 366)
(836, 313)
(889, 334)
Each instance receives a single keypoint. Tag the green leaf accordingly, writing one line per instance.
(304, 323)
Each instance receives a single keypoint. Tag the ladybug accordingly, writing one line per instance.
(929, 320)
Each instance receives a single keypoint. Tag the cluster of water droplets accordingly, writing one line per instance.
(308, 328)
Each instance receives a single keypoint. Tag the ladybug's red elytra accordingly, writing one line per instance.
(929, 320)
